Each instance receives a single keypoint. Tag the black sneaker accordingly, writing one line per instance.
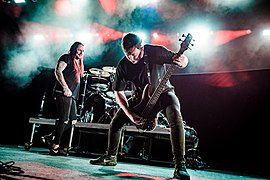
(105, 160)
(180, 172)
(57, 152)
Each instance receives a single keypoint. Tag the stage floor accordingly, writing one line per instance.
(36, 163)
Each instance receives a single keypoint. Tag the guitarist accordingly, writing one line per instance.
(143, 65)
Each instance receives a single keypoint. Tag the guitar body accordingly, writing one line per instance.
(150, 116)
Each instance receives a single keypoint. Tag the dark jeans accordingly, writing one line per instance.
(170, 104)
(67, 112)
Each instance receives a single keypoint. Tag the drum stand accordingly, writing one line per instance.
(81, 106)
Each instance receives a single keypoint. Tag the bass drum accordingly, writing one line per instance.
(95, 106)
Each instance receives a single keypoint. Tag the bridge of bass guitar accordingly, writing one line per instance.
(148, 125)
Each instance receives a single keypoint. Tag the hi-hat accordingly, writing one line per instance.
(99, 72)
(109, 69)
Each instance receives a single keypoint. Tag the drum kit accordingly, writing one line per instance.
(97, 102)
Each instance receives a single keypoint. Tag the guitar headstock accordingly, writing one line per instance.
(185, 43)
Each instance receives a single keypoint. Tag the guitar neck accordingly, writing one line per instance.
(161, 86)
(159, 89)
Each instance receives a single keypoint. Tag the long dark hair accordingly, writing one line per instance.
(73, 48)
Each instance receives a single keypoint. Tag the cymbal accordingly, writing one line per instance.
(95, 71)
(99, 72)
(109, 69)
(97, 86)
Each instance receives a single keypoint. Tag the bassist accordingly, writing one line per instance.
(144, 66)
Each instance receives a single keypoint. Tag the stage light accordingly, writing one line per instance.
(19, 1)
(202, 34)
(266, 32)
(225, 36)
(155, 35)
(248, 31)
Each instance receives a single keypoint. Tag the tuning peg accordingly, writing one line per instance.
(189, 46)
(183, 35)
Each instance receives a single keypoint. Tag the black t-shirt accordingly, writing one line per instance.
(157, 56)
(71, 75)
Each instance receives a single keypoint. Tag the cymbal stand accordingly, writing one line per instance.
(81, 106)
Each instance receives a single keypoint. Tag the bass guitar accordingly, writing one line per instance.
(145, 108)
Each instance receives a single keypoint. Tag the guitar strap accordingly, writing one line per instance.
(147, 68)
